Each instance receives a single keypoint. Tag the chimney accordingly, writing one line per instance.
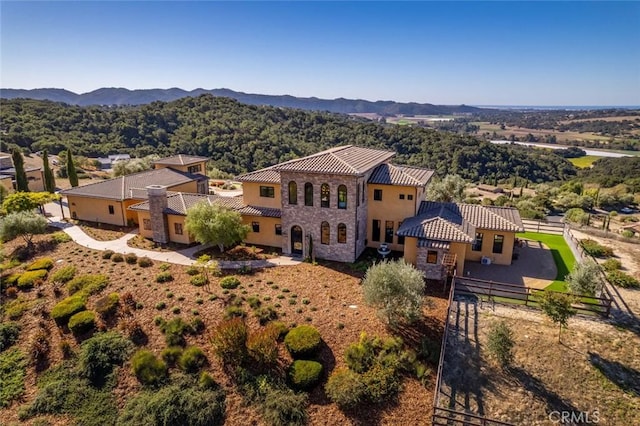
(157, 203)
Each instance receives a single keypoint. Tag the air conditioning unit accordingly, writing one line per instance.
(485, 260)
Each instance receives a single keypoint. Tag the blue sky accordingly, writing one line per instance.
(477, 53)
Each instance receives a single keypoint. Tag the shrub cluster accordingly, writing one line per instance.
(175, 329)
(64, 274)
(192, 359)
(39, 350)
(611, 265)
(265, 314)
(149, 370)
(621, 279)
(230, 282)
(193, 270)
(262, 348)
(42, 263)
(144, 262)
(131, 258)
(87, 284)
(28, 279)
(198, 280)
(171, 355)
(595, 249)
(229, 341)
(9, 334)
(107, 305)
(305, 375)
(10, 280)
(82, 322)
(101, 353)
(60, 237)
(117, 258)
(67, 307)
(164, 277)
(302, 341)
(107, 254)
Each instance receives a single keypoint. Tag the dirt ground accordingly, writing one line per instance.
(596, 369)
(334, 305)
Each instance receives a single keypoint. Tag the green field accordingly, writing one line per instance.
(584, 162)
(562, 256)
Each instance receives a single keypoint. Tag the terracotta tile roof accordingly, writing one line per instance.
(132, 186)
(260, 211)
(181, 160)
(442, 245)
(483, 217)
(268, 175)
(392, 174)
(342, 160)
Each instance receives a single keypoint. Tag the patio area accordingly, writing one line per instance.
(533, 268)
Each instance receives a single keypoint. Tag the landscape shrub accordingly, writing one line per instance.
(107, 254)
(12, 292)
(39, 350)
(265, 314)
(193, 270)
(28, 279)
(15, 308)
(133, 330)
(361, 356)
(346, 388)
(229, 341)
(9, 334)
(207, 382)
(107, 305)
(179, 403)
(10, 280)
(254, 302)
(101, 353)
(64, 274)
(234, 312)
(283, 407)
(13, 364)
(171, 355)
(87, 284)
(595, 249)
(230, 282)
(149, 370)
(621, 279)
(192, 360)
(174, 331)
(627, 233)
(42, 263)
(305, 375)
(144, 262)
(117, 258)
(131, 258)
(500, 343)
(161, 305)
(164, 277)
(65, 349)
(302, 341)
(277, 329)
(66, 308)
(198, 280)
(82, 322)
(60, 237)
(381, 383)
(611, 265)
(585, 278)
(197, 326)
(263, 348)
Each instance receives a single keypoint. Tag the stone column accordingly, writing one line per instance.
(157, 203)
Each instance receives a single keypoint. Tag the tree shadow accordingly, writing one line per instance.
(534, 385)
(325, 356)
(626, 378)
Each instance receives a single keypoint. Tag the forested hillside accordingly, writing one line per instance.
(242, 137)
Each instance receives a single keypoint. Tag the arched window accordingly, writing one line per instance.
(342, 197)
(325, 195)
(293, 193)
(325, 233)
(342, 233)
(308, 194)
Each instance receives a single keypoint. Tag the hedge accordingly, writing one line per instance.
(66, 308)
(28, 278)
(43, 263)
(82, 322)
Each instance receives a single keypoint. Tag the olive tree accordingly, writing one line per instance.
(22, 224)
(585, 278)
(451, 188)
(557, 306)
(215, 224)
(396, 288)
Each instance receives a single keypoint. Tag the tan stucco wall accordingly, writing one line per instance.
(131, 215)
(487, 248)
(147, 233)
(7, 183)
(176, 238)
(267, 235)
(251, 195)
(185, 187)
(96, 210)
(203, 167)
(411, 250)
(460, 250)
(35, 180)
(391, 208)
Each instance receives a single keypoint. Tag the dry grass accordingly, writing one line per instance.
(597, 367)
(104, 232)
(335, 307)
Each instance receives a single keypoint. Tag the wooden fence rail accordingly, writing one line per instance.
(543, 226)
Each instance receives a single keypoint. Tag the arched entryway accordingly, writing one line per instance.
(296, 240)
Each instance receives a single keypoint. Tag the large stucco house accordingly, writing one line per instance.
(35, 176)
(334, 204)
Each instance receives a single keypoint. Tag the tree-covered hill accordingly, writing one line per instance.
(241, 137)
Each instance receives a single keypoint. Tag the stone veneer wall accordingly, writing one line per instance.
(311, 218)
(157, 203)
(432, 271)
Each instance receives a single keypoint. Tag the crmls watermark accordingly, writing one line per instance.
(575, 417)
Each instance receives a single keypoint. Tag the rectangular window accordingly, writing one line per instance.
(400, 238)
(410, 197)
(375, 235)
(267, 191)
(388, 231)
(342, 233)
(498, 243)
(377, 194)
(255, 226)
(111, 209)
(278, 229)
(177, 227)
(146, 224)
(195, 169)
(357, 194)
(432, 256)
(402, 196)
(477, 246)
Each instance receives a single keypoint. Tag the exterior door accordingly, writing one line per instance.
(296, 240)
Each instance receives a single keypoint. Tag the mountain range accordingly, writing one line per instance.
(122, 96)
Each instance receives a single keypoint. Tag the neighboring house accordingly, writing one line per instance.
(107, 201)
(186, 163)
(35, 176)
(445, 235)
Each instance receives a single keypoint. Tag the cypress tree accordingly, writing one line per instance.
(71, 170)
(49, 180)
(21, 176)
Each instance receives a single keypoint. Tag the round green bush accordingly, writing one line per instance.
(82, 322)
(193, 270)
(171, 355)
(305, 375)
(345, 388)
(29, 278)
(192, 360)
(66, 308)
(131, 258)
(144, 262)
(149, 370)
(230, 282)
(117, 257)
(302, 341)
(107, 254)
(198, 280)
(107, 305)
(164, 277)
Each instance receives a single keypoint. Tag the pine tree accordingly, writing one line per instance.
(21, 176)
(49, 179)
(71, 170)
